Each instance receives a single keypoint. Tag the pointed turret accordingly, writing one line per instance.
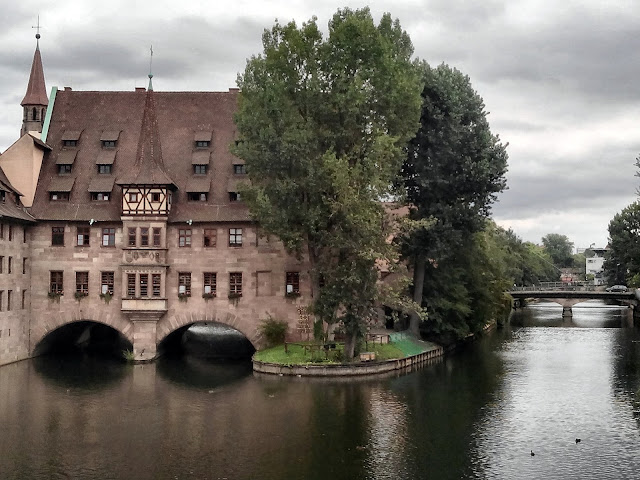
(145, 188)
(35, 100)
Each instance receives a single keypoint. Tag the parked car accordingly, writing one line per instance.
(617, 288)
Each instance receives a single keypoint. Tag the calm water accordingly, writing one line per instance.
(537, 385)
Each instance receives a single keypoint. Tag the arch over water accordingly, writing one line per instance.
(82, 335)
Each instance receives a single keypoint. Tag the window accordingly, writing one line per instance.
(239, 169)
(1, 263)
(24, 235)
(55, 282)
(57, 236)
(133, 197)
(184, 237)
(24, 265)
(202, 143)
(235, 237)
(106, 283)
(184, 283)
(100, 196)
(108, 144)
(10, 232)
(209, 283)
(82, 282)
(144, 236)
(69, 143)
(292, 281)
(83, 236)
(156, 237)
(132, 237)
(2, 231)
(58, 196)
(24, 299)
(155, 284)
(144, 285)
(3, 196)
(197, 197)
(104, 169)
(155, 197)
(131, 284)
(210, 237)
(1, 296)
(9, 292)
(235, 283)
(234, 197)
(200, 169)
(10, 265)
(108, 237)
(64, 169)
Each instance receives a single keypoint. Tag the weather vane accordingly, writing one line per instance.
(37, 27)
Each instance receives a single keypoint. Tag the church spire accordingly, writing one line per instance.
(35, 100)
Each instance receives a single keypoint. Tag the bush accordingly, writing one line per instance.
(273, 330)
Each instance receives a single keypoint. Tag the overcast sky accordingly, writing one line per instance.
(561, 80)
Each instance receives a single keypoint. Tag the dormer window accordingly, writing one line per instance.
(70, 138)
(64, 169)
(202, 139)
(100, 196)
(239, 169)
(234, 197)
(200, 169)
(197, 196)
(59, 196)
(104, 169)
(109, 139)
(3, 196)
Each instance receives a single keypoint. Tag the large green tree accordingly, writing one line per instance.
(453, 171)
(559, 248)
(622, 262)
(323, 124)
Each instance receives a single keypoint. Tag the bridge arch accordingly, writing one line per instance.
(240, 322)
(47, 324)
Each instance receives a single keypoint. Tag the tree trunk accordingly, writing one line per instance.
(350, 346)
(418, 284)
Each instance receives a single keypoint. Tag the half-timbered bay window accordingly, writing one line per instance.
(184, 237)
(184, 284)
(292, 280)
(106, 283)
(56, 285)
(235, 237)
(145, 200)
(82, 283)
(210, 284)
(235, 284)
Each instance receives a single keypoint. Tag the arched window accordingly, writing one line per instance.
(34, 114)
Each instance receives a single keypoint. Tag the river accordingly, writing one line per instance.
(536, 385)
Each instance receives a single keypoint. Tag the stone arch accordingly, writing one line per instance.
(56, 320)
(245, 326)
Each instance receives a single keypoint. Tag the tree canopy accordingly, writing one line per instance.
(559, 248)
(622, 261)
(322, 125)
(454, 169)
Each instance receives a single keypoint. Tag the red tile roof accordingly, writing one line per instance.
(179, 115)
(36, 89)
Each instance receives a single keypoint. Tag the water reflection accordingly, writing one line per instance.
(536, 385)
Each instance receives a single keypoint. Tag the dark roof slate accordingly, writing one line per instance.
(101, 183)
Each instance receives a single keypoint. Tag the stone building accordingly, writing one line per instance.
(139, 223)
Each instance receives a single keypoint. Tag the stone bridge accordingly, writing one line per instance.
(568, 297)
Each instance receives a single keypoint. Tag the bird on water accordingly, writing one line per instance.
(532, 454)
(578, 440)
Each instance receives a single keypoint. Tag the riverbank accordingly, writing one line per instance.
(417, 352)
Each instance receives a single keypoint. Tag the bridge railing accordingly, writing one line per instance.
(556, 286)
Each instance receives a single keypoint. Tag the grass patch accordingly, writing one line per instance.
(297, 355)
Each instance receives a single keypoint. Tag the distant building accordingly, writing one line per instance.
(595, 266)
